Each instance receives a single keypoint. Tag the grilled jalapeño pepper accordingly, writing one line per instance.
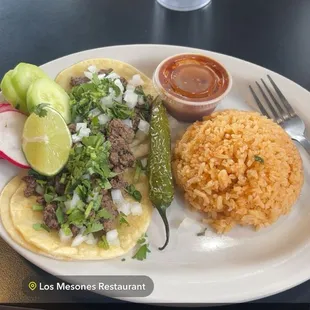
(159, 163)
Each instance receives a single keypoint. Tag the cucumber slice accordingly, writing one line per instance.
(22, 77)
(11, 95)
(45, 90)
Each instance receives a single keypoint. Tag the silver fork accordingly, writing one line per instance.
(282, 112)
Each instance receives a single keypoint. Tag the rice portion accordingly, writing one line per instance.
(238, 167)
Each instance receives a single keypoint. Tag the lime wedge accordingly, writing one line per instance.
(46, 142)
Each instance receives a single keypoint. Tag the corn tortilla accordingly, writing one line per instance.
(23, 218)
(124, 70)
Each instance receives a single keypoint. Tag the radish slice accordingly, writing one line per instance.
(11, 130)
(6, 107)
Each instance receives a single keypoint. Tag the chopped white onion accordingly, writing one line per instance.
(94, 112)
(88, 74)
(140, 100)
(144, 162)
(103, 119)
(119, 99)
(80, 126)
(127, 122)
(130, 87)
(79, 239)
(124, 207)
(101, 76)
(39, 189)
(189, 224)
(92, 69)
(117, 196)
(106, 101)
(144, 126)
(136, 208)
(67, 205)
(136, 80)
(112, 92)
(112, 237)
(75, 200)
(91, 239)
(76, 138)
(119, 84)
(86, 176)
(84, 132)
(63, 237)
(112, 76)
(92, 197)
(131, 98)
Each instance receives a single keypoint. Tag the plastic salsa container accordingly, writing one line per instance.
(191, 85)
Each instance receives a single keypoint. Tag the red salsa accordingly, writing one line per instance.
(194, 78)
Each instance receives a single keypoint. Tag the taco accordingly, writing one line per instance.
(97, 206)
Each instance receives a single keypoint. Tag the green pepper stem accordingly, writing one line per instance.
(162, 212)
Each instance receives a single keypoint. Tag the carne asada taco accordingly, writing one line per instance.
(97, 206)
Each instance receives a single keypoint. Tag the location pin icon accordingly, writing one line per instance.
(32, 285)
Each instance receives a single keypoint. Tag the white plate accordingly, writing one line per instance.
(240, 266)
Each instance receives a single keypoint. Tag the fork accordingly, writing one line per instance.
(282, 112)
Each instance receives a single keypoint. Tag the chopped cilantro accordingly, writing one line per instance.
(48, 198)
(40, 226)
(40, 109)
(138, 171)
(143, 249)
(139, 90)
(202, 233)
(259, 159)
(132, 191)
(123, 219)
(103, 213)
(76, 217)
(60, 199)
(142, 252)
(95, 79)
(88, 209)
(60, 215)
(36, 175)
(103, 243)
(37, 208)
(66, 229)
(93, 227)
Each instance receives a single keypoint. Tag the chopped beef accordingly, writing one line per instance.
(135, 122)
(107, 203)
(41, 201)
(121, 157)
(49, 216)
(118, 182)
(59, 187)
(78, 80)
(118, 129)
(72, 128)
(120, 135)
(31, 184)
(105, 71)
(124, 81)
(74, 229)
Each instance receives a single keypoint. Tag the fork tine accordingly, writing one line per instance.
(276, 115)
(282, 97)
(260, 106)
(277, 104)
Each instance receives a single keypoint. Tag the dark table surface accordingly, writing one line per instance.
(271, 33)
